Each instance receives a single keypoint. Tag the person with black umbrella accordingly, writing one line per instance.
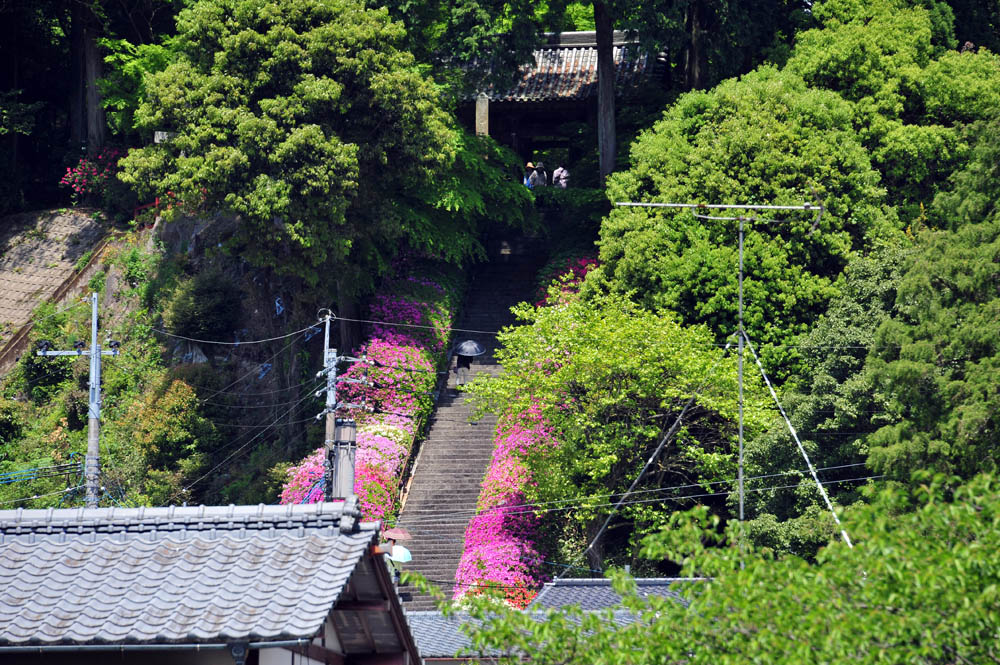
(464, 353)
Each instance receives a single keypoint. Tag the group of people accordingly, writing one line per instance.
(535, 176)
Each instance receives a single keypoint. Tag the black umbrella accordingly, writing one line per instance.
(469, 347)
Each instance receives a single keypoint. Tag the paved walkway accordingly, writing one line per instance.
(38, 252)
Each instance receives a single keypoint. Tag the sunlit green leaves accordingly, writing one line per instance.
(920, 586)
(611, 379)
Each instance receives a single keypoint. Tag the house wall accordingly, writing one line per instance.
(284, 657)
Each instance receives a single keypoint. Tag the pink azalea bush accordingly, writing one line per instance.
(302, 484)
(500, 550)
(566, 275)
(400, 371)
(91, 177)
(414, 301)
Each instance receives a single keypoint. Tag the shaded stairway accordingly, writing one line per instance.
(453, 458)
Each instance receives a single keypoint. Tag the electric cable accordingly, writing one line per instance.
(268, 425)
(250, 406)
(437, 521)
(656, 453)
(587, 500)
(415, 325)
(251, 440)
(56, 313)
(40, 496)
(255, 394)
(40, 472)
(248, 374)
(717, 345)
(220, 423)
(247, 343)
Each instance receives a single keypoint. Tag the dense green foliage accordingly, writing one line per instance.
(611, 379)
(866, 113)
(315, 140)
(920, 586)
(309, 121)
(937, 359)
(765, 138)
(204, 307)
(900, 370)
(834, 406)
(154, 437)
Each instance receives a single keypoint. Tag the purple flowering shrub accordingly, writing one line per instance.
(500, 550)
(400, 374)
(415, 301)
(399, 378)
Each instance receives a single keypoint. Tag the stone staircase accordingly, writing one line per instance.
(453, 458)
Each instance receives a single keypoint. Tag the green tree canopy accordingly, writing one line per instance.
(895, 60)
(833, 404)
(308, 121)
(920, 586)
(611, 379)
(766, 138)
(938, 359)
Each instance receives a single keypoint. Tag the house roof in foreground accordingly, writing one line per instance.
(565, 69)
(440, 636)
(185, 575)
(597, 594)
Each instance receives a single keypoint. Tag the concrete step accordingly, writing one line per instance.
(454, 456)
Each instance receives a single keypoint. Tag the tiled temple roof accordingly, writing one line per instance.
(565, 69)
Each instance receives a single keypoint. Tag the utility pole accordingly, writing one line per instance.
(341, 433)
(92, 462)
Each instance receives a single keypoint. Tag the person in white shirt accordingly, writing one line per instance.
(560, 177)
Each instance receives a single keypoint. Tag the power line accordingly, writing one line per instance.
(250, 406)
(40, 496)
(254, 394)
(585, 501)
(57, 312)
(222, 423)
(442, 518)
(246, 375)
(247, 343)
(254, 438)
(717, 345)
(656, 453)
(414, 325)
(39, 472)
(791, 429)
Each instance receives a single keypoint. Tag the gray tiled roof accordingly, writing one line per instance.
(565, 69)
(596, 594)
(439, 636)
(173, 575)
(570, 74)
